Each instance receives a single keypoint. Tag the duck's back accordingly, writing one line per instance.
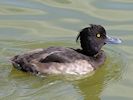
(54, 60)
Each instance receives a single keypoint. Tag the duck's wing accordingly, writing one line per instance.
(54, 54)
(57, 56)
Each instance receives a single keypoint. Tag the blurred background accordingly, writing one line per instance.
(31, 24)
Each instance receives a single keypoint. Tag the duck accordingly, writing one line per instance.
(65, 60)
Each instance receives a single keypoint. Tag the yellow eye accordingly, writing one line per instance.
(98, 35)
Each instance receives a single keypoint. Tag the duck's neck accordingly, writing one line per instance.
(86, 52)
(99, 59)
(89, 53)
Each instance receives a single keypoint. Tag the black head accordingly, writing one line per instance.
(92, 39)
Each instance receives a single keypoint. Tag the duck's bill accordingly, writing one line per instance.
(112, 40)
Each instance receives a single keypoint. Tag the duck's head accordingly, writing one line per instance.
(93, 38)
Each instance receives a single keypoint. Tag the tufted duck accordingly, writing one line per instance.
(60, 60)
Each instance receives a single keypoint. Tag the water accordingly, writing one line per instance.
(30, 24)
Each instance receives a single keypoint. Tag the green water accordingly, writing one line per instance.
(30, 24)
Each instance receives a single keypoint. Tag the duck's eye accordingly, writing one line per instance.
(98, 35)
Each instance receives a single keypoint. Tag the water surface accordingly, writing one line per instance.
(31, 24)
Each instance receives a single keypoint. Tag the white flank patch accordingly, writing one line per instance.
(79, 67)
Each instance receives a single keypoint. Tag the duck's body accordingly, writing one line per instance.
(57, 60)
(60, 60)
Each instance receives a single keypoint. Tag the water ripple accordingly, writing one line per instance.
(30, 24)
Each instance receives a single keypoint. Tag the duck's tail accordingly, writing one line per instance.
(22, 64)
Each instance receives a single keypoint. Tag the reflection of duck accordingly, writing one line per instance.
(60, 60)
